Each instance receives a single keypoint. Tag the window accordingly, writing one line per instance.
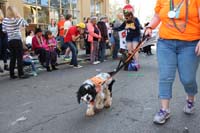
(55, 3)
(43, 15)
(43, 2)
(30, 1)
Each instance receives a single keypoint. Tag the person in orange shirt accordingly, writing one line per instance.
(178, 47)
(61, 30)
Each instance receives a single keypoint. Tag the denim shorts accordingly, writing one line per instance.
(178, 55)
(134, 39)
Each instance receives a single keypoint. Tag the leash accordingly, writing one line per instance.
(129, 58)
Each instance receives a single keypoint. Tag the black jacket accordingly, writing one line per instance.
(103, 29)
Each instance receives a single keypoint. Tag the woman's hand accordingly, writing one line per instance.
(148, 31)
(197, 49)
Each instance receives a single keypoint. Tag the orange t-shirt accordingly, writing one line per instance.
(61, 25)
(167, 28)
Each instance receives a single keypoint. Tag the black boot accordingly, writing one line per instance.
(1, 70)
(6, 67)
(54, 67)
(48, 69)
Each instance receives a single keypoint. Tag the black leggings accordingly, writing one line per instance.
(42, 55)
(16, 54)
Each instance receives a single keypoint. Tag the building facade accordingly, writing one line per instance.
(40, 12)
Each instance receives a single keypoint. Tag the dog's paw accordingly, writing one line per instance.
(90, 112)
(99, 106)
(108, 103)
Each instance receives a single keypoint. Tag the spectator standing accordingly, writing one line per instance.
(61, 31)
(11, 25)
(3, 44)
(94, 37)
(73, 34)
(177, 48)
(67, 25)
(132, 27)
(87, 44)
(53, 28)
(118, 22)
(104, 38)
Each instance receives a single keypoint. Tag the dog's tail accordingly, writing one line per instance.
(110, 86)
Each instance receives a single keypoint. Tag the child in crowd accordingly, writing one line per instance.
(51, 42)
(28, 60)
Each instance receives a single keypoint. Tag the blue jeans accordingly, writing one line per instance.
(62, 44)
(74, 50)
(28, 62)
(116, 48)
(172, 55)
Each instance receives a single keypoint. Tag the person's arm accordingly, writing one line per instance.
(121, 27)
(66, 27)
(91, 32)
(21, 22)
(152, 25)
(54, 42)
(56, 32)
(197, 49)
(74, 37)
(34, 43)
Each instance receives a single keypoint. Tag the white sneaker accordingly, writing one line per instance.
(34, 74)
(189, 107)
(71, 65)
(78, 66)
(96, 62)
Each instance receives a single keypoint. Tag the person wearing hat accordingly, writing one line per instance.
(132, 27)
(74, 33)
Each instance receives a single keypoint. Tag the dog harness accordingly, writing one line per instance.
(99, 80)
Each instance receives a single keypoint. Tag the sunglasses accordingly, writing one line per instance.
(126, 12)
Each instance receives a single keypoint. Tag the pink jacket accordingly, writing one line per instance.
(91, 34)
(42, 44)
(53, 43)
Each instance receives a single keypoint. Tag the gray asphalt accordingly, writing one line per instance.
(47, 103)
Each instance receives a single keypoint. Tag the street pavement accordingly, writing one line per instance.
(47, 103)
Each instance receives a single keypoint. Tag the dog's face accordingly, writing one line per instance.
(86, 93)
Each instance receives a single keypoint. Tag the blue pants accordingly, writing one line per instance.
(172, 55)
(74, 50)
(102, 51)
(116, 47)
(28, 62)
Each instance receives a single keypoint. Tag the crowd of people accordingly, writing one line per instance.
(61, 39)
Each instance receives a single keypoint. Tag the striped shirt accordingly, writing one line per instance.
(12, 27)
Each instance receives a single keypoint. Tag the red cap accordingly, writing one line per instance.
(129, 8)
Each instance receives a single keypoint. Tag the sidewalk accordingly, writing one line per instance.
(60, 61)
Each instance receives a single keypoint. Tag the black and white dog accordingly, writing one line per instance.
(96, 92)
